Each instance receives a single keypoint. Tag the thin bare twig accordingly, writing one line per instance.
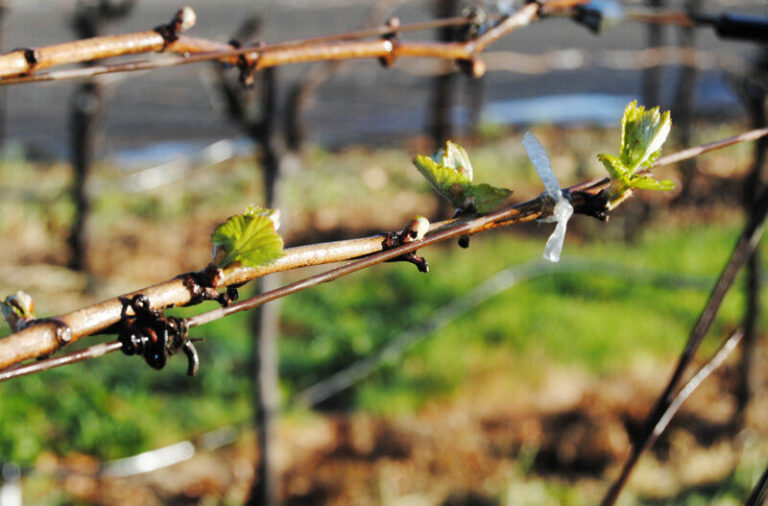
(716, 361)
(662, 421)
(685, 154)
(745, 246)
(96, 351)
(659, 17)
(572, 59)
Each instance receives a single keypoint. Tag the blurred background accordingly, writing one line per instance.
(494, 379)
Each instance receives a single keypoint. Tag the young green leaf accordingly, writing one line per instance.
(642, 135)
(249, 239)
(449, 171)
(648, 182)
(486, 198)
(272, 214)
(615, 168)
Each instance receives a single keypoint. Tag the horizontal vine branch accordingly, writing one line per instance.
(528, 211)
(22, 65)
(41, 339)
(29, 60)
(507, 61)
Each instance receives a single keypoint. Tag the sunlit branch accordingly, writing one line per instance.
(41, 339)
(23, 65)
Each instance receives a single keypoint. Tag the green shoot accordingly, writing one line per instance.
(642, 135)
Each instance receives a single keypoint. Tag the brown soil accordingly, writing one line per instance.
(494, 443)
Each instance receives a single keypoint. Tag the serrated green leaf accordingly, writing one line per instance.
(648, 182)
(615, 168)
(626, 180)
(642, 135)
(272, 214)
(446, 181)
(249, 239)
(487, 198)
(449, 171)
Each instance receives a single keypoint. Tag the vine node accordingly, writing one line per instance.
(63, 332)
(246, 66)
(409, 234)
(170, 32)
(591, 204)
(542, 4)
(393, 37)
(201, 287)
(31, 55)
(477, 23)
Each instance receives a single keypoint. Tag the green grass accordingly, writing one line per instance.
(600, 322)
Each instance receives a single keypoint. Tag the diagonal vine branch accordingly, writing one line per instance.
(745, 246)
(659, 423)
(703, 373)
(40, 339)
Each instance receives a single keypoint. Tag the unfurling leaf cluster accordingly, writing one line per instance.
(249, 239)
(642, 135)
(449, 171)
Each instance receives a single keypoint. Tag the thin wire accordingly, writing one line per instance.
(95, 351)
